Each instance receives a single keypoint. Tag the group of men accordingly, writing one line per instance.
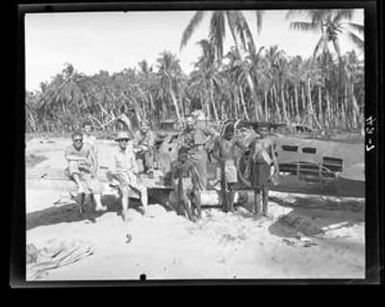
(188, 171)
(83, 163)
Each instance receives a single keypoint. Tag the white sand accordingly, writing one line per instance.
(166, 246)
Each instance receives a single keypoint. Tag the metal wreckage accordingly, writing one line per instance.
(308, 162)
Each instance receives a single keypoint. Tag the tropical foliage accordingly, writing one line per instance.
(265, 84)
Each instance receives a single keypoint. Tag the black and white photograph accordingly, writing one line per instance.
(195, 144)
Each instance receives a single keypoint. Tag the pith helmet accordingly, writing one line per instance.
(122, 135)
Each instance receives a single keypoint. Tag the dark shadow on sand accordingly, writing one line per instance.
(310, 215)
(71, 212)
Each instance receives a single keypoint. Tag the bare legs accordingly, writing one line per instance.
(260, 206)
(96, 195)
(125, 199)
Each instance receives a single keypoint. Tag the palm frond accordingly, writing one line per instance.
(357, 27)
(304, 26)
(194, 23)
(217, 32)
(320, 43)
(318, 16)
(342, 14)
(358, 41)
(337, 47)
(244, 32)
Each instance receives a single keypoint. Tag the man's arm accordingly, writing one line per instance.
(70, 157)
(92, 161)
(133, 163)
(151, 140)
(216, 152)
(136, 140)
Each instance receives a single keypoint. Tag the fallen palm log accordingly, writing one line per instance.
(56, 254)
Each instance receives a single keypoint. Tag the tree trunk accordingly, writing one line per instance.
(250, 82)
(277, 108)
(236, 104)
(320, 111)
(175, 102)
(243, 103)
(310, 105)
(355, 110)
(266, 107)
(205, 104)
(284, 105)
(303, 113)
(297, 116)
(345, 104)
(328, 111)
(213, 101)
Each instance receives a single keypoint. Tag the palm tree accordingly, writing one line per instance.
(331, 24)
(206, 71)
(170, 78)
(352, 69)
(240, 33)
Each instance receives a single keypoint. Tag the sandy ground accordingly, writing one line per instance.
(303, 237)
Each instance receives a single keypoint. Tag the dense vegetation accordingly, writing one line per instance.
(324, 91)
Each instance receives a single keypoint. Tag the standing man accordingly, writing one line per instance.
(144, 147)
(194, 139)
(90, 139)
(225, 153)
(82, 169)
(186, 190)
(263, 171)
(125, 171)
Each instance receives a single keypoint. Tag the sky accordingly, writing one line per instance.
(113, 41)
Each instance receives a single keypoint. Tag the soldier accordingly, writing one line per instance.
(186, 187)
(225, 153)
(144, 147)
(263, 171)
(125, 171)
(82, 169)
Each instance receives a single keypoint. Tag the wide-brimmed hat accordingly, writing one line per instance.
(123, 135)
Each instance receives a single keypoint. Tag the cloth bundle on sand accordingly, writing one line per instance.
(54, 255)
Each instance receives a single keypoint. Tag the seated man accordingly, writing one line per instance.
(184, 180)
(82, 169)
(144, 147)
(125, 170)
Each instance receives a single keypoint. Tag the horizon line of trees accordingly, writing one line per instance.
(324, 91)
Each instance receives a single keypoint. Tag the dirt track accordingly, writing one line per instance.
(304, 236)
